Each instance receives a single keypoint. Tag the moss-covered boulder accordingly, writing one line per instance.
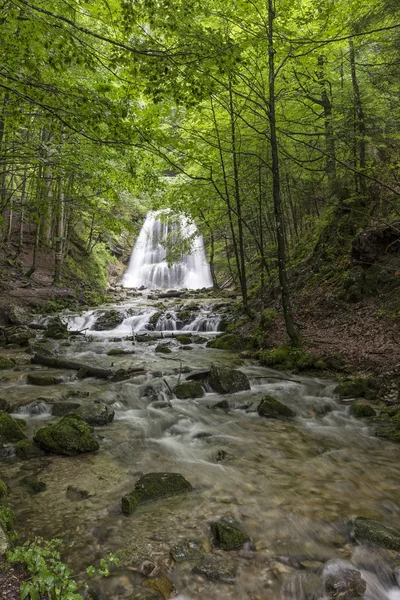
(228, 381)
(96, 413)
(43, 380)
(368, 531)
(119, 352)
(189, 390)
(271, 408)
(3, 491)
(163, 349)
(56, 329)
(26, 449)
(227, 341)
(215, 569)
(360, 410)
(70, 435)
(107, 320)
(356, 387)
(286, 357)
(184, 339)
(228, 536)
(19, 335)
(64, 408)
(11, 430)
(6, 363)
(154, 318)
(143, 337)
(199, 339)
(222, 405)
(152, 487)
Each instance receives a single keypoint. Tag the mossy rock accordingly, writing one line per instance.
(6, 517)
(199, 339)
(215, 569)
(163, 349)
(143, 337)
(228, 381)
(228, 341)
(189, 390)
(64, 408)
(11, 430)
(222, 404)
(356, 387)
(360, 410)
(26, 449)
(119, 352)
(6, 363)
(96, 413)
(368, 531)
(154, 318)
(19, 335)
(107, 320)
(186, 316)
(76, 394)
(162, 585)
(3, 490)
(143, 594)
(43, 380)
(290, 358)
(56, 329)
(70, 435)
(34, 485)
(152, 487)
(183, 339)
(228, 536)
(187, 550)
(271, 408)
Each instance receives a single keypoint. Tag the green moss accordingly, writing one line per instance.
(268, 316)
(6, 517)
(287, 357)
(154, 318)
(189, 390)
(26, 449)
(152, 487)
(356, 387)
(70, 435)
(163, 349)
(6, 363)
(375, 533)
(3, 490)
(43, 380)
(271, 408)
(183, 339)
(360, 410)
(227, 341)
(227, 536)
(10, 429)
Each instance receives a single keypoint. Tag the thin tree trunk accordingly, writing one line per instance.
(284, 285)
(330, 166)
(360, 144)
(35, 248)
(58, 256)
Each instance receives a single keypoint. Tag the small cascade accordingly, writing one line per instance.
(148, 266)
(167, 322)
(205, 323)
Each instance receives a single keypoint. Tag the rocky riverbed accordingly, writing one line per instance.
(278, 492)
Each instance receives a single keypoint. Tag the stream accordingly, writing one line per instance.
(290, 485)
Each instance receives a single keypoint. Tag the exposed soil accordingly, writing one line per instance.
(10, 581)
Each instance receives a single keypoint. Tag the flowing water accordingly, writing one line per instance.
(292, 486)
(149, 267)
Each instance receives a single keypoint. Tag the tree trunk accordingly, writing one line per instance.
(284, 286)
(58, 256)
(330, 166)
(360, 145)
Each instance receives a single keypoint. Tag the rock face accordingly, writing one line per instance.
(11, 430)
(107, 320)
(228, 381)
(228, 536)
(342, 581)
(271, 408)
(36, 379)
(96, 413)
(189, 390)
(372, 532)
(152, 487)
(70, 435)
(215, 569)
(20, 334)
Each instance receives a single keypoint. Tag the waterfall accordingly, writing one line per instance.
(148, 266)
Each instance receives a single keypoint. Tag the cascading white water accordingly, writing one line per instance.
(148, 265)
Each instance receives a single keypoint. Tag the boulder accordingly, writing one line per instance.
(26, 449)
(227, 341)
(223, 405)
(18, 316)
(199, 339)
(70, 435)
(19, 334)
(119, 352)
(152, 487)
(11, 430)
(228, 536)
(189, 390)
(342, 581)
(360, 410)
(187, 550)
(56, 329)
(96, 413)
(43, 380)
(162, 585)
(4, 405)
(163, 349)
(6, 363)
(271, 408)
(34, 485)
(228, 381)
(184, 339)
(215, 569)
(107, 320)
(64, 408)
(368, 531)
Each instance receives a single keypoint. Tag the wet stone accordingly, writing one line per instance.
(96, 413)
(368, 531)
(162, 585)
(34, 485)
(187, 550)
(152, 487)
(26, 449)
(342, 581)
(271, 408)
(163, 349)
(70, 435)
(215, 569)
(11, 430)
(189, 390)
(223, 405)
(6, 363)
(228, 381)
(64, 408)
(228, 536)
(42, 380)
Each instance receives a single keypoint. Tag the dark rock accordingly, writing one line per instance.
(199, 339)
(70, 435)
(227, 536)
(342, 581)
(199, 375)
(27, 449)
(228, 381)
(359, 410)
(20, 335)
(223, 405)
(76, 394)
(74, 493)
(162, 585)
(356, 388)
(189, 390)
(5, 406)
(271, 408)
(143, 338)
(221, 455)
(56, 329)
(215, 569)
(18, 316)
(34, 485)
(152, 487)
(187, 550)
(96, 413)
(37, 379)
(11, 430)
(368, 531)
(183, 339)
(6, 363)
(107, 320)
(119, 352)
(163, 349)
(64, 408)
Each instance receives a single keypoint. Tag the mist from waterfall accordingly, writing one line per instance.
(148, 266)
